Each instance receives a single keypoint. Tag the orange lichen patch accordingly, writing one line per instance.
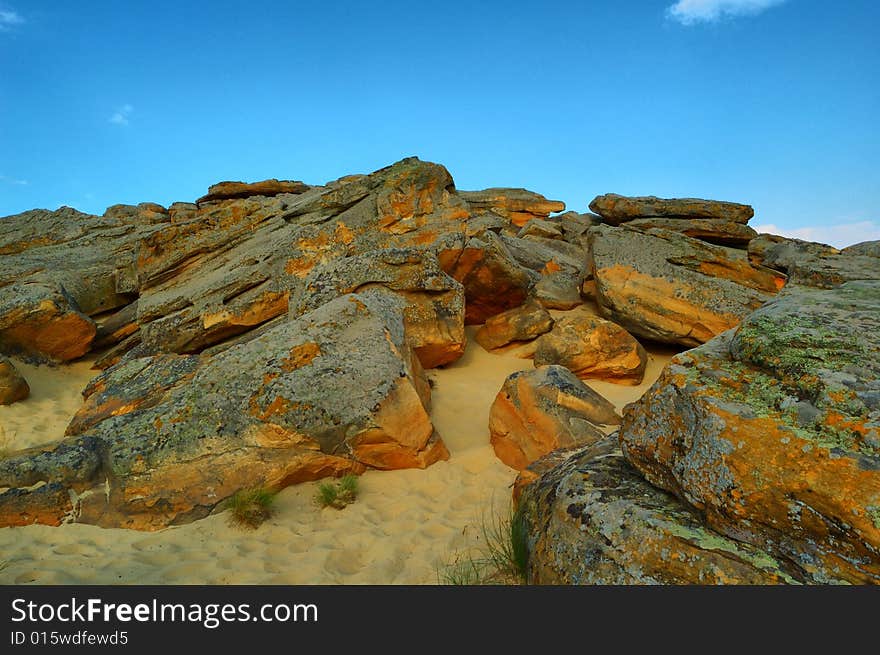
(300, 267)
(744, 273)
(92, 413)
(551, 267)
(21, 246)
(264, 308)
(663, 303)
(279, 405)
(425, 237)
(301, 355)
(343, 234)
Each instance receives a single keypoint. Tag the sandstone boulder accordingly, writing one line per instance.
(772, 430)
(542, 410)
(671, 288)
(818, 265)
(592, 347)
(591, 519)
(39, 320)
(522, 323)
(13, 386)
(616, 209)
(493, 281)
(519, 206)
(163, 440)
(722, 232)
(434, 302)
(537, 227)
(230, 190)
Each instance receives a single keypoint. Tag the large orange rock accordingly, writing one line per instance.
(41, 321)
(671, 288)
(522, 323)
(771, 431)
(162, 440)
(591, 519)
(542, 410)
(493, 281)
(592, 347)
(13, 387)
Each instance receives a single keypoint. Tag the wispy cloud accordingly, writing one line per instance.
(121, 115)
(690, 12)
(839, 236)
(5, 179)
(9, 19)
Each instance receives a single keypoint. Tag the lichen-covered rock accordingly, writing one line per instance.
(537, 227)
(542, 410)
(616, 209)
(816, 264)
(672, 288)
(163, 440)
(591, 519)
(522, 323)
(519, 206)
(143, 213)
(39, 320)
(230, 190)
(58, 269)
(493, 281)
(592, 347)
(711, 230)
(869, 248)
(434, 302)
(772, 430)
(13, 386)
(233, 264)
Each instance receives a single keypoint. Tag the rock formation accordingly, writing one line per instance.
(542, 410)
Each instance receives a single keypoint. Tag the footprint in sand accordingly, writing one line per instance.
(344, 562)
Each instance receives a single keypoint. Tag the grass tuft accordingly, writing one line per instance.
(502, 558)
(250, 507)
(338, 494)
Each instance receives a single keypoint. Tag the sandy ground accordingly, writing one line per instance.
(403, 528)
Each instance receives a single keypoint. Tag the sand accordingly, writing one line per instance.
(403, 529)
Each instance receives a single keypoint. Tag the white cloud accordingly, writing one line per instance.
(8, 18)
(120, 116)
(11, 180)
(689, 12)
(839, 236)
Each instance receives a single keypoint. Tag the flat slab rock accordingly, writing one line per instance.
(522, 323)
(616, 209)
(592, 519)
(542, 410)
(162, 440)
(772, 431)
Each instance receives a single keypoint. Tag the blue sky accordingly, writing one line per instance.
(770, 102)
